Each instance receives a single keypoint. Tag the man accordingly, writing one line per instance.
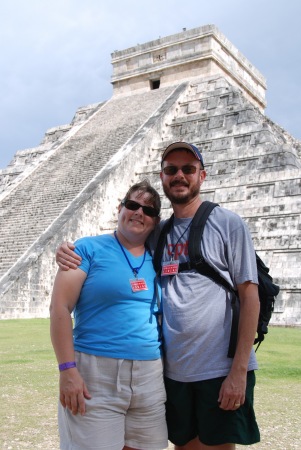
(210, 396)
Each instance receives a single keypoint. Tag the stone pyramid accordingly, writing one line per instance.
(193, 86)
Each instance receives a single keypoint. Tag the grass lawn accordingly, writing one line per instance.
(29, 384)
(278, 390)
(29, 388)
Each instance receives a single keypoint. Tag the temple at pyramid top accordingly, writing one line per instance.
(200, 52)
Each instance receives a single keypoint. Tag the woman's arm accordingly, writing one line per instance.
(65, 294)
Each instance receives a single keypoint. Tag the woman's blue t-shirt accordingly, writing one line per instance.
(109, 319)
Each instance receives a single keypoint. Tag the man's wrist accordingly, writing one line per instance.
(67, 365)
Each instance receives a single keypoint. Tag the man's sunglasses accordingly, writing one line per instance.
(172, 170)
(134, 206)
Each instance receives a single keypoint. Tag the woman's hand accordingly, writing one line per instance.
(73, 391)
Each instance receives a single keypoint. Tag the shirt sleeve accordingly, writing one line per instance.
(242, 258)
(83, 248)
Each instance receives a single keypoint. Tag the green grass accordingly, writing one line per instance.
(29, 388)
(279, 356)
(28, 385)
(278, 390)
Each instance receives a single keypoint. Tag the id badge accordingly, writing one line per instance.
(138, 284)
(170, 268)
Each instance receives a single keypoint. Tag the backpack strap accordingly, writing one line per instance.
(196, 260)
(195, 236)
(197, 229)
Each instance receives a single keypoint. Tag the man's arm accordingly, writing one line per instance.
(66, 258)
(233, 390)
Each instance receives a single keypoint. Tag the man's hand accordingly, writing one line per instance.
(73, 391)
(66, 258)
(232, 393)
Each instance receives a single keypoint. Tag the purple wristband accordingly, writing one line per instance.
(67, 365)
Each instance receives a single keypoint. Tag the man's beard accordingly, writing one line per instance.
(182, 199)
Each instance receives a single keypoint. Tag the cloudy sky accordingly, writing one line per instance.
(56, 54)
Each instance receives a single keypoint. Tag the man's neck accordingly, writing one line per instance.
(181, 211)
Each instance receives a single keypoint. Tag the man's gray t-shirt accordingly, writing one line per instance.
(196, 310)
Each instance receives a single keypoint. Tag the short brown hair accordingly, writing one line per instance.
(144, 187)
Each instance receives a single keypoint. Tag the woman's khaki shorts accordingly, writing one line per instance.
(127, 406)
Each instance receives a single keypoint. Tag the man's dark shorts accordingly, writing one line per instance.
(192, 410)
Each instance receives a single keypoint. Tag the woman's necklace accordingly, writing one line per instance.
(137, 284)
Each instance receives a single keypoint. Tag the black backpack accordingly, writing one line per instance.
(266, 288)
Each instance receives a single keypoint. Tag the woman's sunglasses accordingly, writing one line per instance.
(134, 206)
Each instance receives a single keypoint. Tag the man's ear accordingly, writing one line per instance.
(161, 174)
(203, 175)
(119, 207)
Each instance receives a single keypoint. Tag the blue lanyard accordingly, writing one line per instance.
(135, 270)
(171, 238)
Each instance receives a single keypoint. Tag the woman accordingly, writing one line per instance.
(111, 384)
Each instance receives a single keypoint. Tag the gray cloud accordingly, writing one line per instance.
(56, 56)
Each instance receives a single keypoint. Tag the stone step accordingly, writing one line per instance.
(31, 207)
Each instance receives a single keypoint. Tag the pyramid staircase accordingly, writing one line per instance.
(74, 185)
